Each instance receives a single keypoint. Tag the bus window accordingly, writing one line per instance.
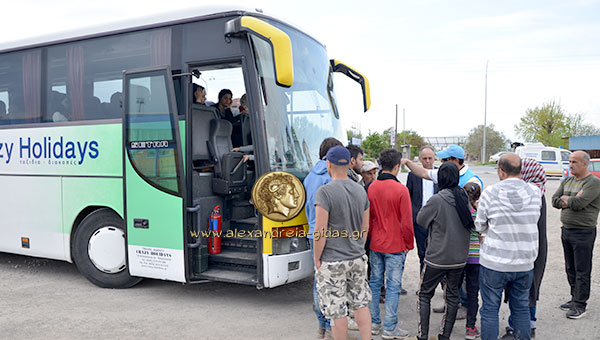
(84, 79)
(20, 74)
(152, 146)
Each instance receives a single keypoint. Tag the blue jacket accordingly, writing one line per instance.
(317, 177)
(464, 179)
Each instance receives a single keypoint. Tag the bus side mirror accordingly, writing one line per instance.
(338, 66)
(279, 41)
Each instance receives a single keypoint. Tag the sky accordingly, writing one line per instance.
(427, 57)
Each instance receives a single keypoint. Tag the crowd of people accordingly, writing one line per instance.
(477, 242)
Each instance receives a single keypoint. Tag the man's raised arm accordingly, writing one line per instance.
(416, 168)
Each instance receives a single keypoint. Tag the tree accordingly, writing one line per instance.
(550, 124)
(352, 133)
(545, 124)
(413, 139)
(576, 127)
(375, 142)
(494, 141)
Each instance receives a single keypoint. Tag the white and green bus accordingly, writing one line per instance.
(105, 161)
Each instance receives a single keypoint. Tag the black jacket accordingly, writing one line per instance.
(415, 189)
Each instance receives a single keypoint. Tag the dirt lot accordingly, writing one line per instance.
(45, 299)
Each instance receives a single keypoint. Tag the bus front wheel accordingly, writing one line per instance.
(99, 250)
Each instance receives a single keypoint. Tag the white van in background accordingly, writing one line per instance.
(554, 160)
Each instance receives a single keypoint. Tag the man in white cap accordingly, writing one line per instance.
(368, 172)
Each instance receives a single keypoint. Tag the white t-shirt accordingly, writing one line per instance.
(427, 191)
(433, 175)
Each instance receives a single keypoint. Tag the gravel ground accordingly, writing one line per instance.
(46, 299)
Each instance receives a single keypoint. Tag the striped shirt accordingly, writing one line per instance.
(473, 257)
(508, 214)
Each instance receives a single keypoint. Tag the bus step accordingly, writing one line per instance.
(241, 244)
(233, 257)
(250, 221)
(232, 276)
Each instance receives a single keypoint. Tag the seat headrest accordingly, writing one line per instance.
(220, 127)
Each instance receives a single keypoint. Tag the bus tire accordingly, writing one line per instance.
(97, 251)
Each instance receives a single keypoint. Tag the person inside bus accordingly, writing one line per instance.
(223, 105)
(199, 94)
(243, 138)
(60, 107)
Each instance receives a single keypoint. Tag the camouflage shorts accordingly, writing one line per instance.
(343, 284)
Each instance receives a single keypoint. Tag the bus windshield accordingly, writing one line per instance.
(297, 119)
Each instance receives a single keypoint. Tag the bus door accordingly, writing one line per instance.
(153, 175)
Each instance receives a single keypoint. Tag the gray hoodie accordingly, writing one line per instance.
(448, 240)
(507, 215)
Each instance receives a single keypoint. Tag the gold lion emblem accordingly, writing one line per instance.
(279, 196)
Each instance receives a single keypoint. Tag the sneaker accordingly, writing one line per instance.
(472, 333)
(375, 328)
(461, 314)
(575, 312)
(352, 325)
(321, 333)
(328, 335)
(439, 309)
(403, 291)
(397, 333)
(566, 306)
(532, 333)
(509, 335)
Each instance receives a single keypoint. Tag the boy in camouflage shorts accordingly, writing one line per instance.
(341, 224)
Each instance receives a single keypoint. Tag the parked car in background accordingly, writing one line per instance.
(554, 160)
(594, 166)
(495, 157)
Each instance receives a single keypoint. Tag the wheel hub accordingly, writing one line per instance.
(106, 249)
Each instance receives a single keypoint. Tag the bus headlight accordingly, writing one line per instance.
(289, 245)
(294, 243)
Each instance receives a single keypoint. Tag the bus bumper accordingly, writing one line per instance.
(282, 269)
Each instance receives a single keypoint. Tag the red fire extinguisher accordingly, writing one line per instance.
(214, 227)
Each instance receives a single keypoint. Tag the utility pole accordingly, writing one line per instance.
(483, 152)
(396, 128)
(403, 126)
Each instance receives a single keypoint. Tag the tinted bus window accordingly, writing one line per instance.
(20, 77)
(84, 80)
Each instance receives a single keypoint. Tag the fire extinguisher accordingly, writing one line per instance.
(214, 227)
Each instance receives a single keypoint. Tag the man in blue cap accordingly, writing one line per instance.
(341, 226)
(453, 153)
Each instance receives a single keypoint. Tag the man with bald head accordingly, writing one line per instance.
(578, 197)
(421, 190)
(507, 218)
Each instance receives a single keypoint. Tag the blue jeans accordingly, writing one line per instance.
(323, 321)
(388, 266)
(532, 322)
(491, 285)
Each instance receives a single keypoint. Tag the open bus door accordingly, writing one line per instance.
(153, 176)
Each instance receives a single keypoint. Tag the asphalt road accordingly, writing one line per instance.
(46, 299)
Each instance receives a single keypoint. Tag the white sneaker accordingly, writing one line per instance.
(376, 328)
(397, 333)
